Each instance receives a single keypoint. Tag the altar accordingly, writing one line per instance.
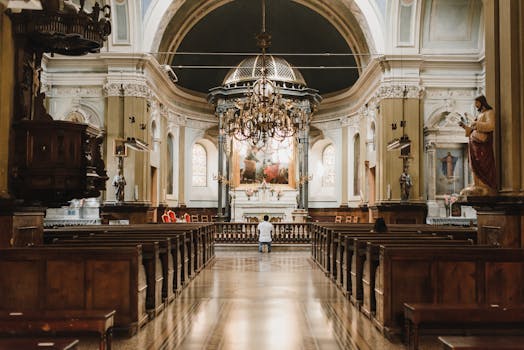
(248, 203)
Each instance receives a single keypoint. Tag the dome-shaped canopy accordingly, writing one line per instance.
(278, 69)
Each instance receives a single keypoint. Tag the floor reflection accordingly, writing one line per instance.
(248, 300)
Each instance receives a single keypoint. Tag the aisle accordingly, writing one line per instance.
(247, 300)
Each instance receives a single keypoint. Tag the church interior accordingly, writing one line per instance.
(145, 143)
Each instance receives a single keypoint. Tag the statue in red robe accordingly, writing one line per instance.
(481, 156)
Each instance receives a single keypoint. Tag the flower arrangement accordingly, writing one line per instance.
(448, 203)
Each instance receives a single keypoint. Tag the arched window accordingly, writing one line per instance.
(170, 150)
(199, 160)
(356, 165)
(328, 162)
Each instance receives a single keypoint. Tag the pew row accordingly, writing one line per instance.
(440, 275)
(63, 321)
(459, 316)
(41, 279)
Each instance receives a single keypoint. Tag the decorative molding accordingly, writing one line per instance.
(127, 89)
(112, 89)
(432, 93)
(397, 91)
(72, 91)
(137, 90)
(198, 124)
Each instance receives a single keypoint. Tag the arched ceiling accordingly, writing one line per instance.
(295, 28)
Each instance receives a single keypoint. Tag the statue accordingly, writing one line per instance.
(405, 184)
(481, 156)
(119, 182)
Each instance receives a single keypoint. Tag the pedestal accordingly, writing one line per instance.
(500, 220)
(21, 226)
(131, 213)
(395, 212)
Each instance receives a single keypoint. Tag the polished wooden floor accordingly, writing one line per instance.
(247, 300)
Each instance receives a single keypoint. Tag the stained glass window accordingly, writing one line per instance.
(328, 162)
(199, 166)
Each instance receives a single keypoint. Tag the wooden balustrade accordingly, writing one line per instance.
(246, 232)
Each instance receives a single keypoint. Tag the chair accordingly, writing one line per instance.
(165, 218)
(338, 219)
(349, 219)
(204, 218)
(356, 219)
(172, 216)
(194, 218)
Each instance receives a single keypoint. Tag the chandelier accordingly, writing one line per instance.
(263, 113)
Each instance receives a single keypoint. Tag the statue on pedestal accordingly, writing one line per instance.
(481, 156)
(119, 183)
(405, 184)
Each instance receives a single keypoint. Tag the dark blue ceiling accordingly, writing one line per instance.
(294, 29)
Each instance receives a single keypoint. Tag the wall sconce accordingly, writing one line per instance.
(132, 119)
(394, 126)
(142, 126)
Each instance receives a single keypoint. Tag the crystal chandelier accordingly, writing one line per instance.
(263, 113)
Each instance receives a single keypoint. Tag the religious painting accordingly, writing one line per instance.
(270, 162)
(450, 170)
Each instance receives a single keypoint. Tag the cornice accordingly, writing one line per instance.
(140, 75)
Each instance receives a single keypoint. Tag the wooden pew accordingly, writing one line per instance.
(38, 344)
(63, 321)
(441, 275)
(482, 343)
(462, 316)
(199, 239)
(150, 260)
(38, 279)
(181, 239)
(371, 252)
(165, 254)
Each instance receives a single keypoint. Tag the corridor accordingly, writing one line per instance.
(246, 300)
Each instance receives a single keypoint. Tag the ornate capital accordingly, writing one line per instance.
(397, 91)
(134, 90)
(137, 90)
(112, 89)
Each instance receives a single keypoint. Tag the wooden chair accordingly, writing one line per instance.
(194, 218)
(356, 219)
(349, 219)
(204, 218)
(338, 219)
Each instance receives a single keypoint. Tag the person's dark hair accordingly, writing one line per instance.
(266, 217)
(380, 225)
(483, 103)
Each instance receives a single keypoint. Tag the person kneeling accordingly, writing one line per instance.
(265, 229)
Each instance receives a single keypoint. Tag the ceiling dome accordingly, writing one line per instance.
(278, 69)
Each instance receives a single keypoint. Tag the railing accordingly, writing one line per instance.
(244, 232)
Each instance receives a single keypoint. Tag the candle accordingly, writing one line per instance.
(388, 192)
